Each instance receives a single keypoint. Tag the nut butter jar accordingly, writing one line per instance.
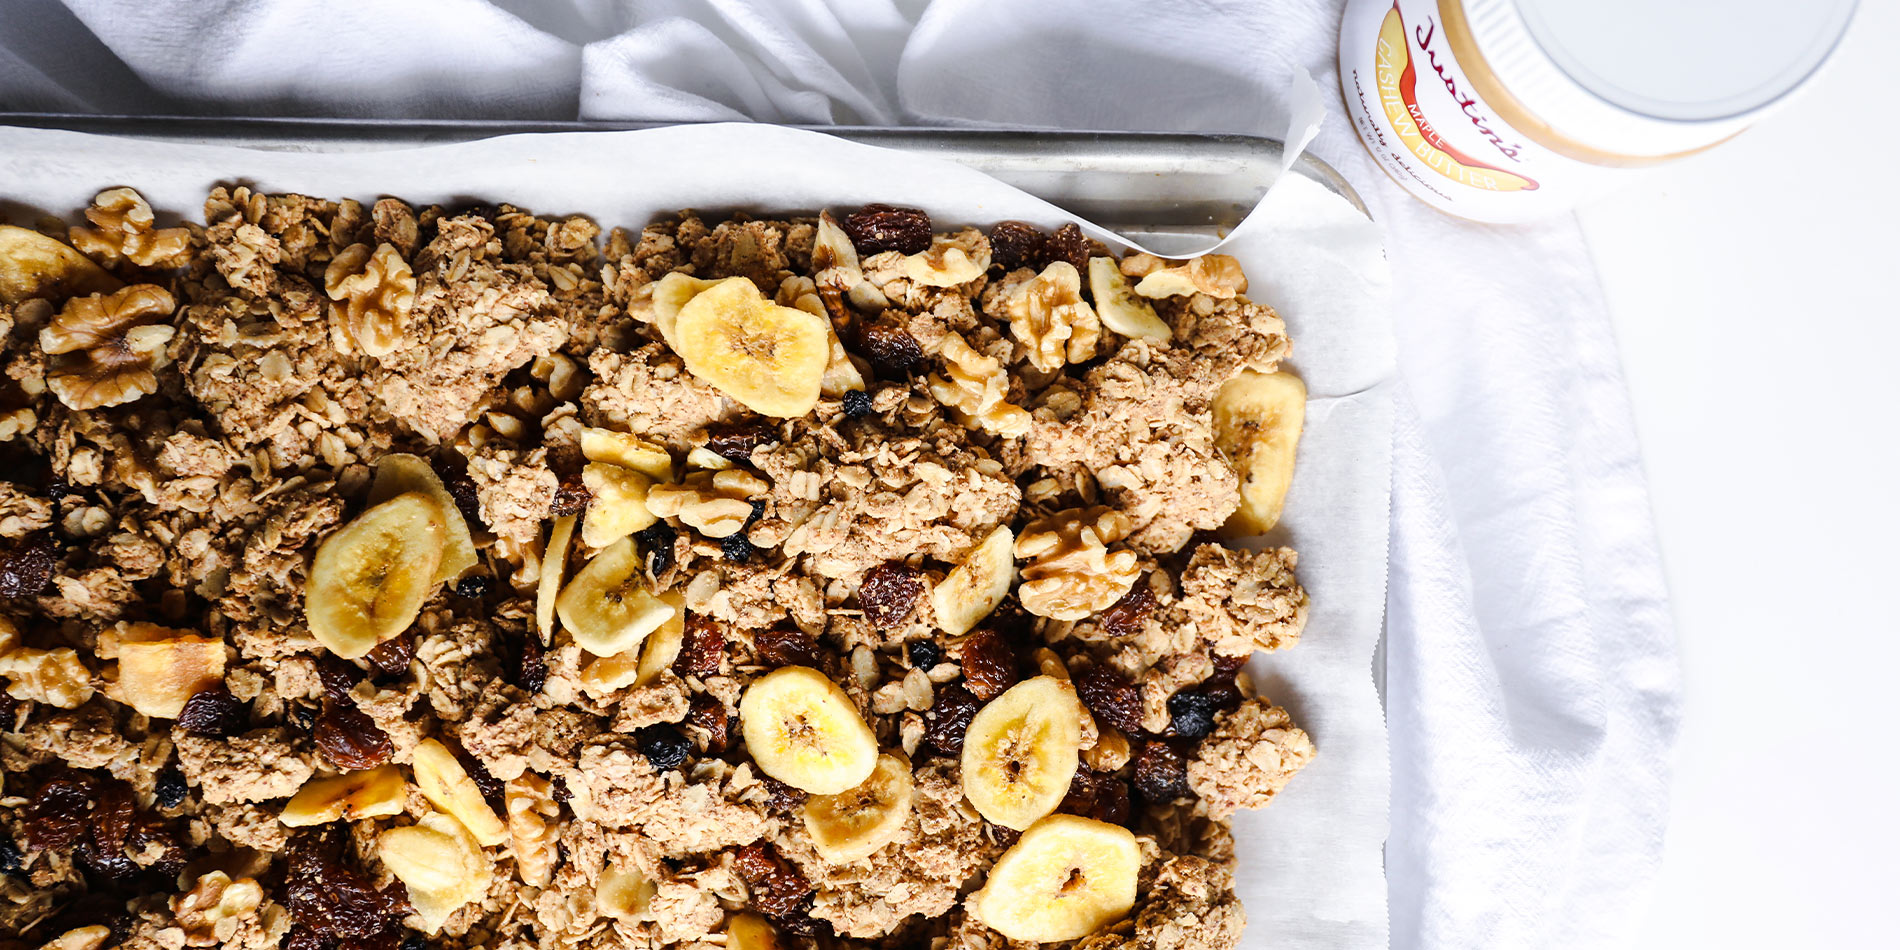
(1508, 110)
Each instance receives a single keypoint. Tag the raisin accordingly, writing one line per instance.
(9, 713)
(893, 352)
(303, 938)
(702, 646)
(924, 654)
(104, 847)
(1110, 697)
(949, 718)
(474, 586)
(149, 835)
(1098, 795)
(889, 593)
(485, 782)
(531, 667)
(1191, 714)
(664, 746)
(734, 441)
(391, 657)
(758, 511)
(1125, 617)
(571, 498)
(26, 565)
(780, 797)
(461, 489)
(58, 815)
(799, 921)
(785, 645)
(879, 227)
(989, 664)
(1015, 244)
(736, 548)
(11, 858)
(171, 787)
(213, 714)
(657, 540)
(338, 676)
(350, 739)
(1069, 244)
(777, 887)
(857, 403)
(710, 714)
(1160, 773)
(1221, 687)
(331, 899)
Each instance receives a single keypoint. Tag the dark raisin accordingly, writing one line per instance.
(889, 593)
(1125, 617)
(1160, 773)
(213, 714)
(303, 938)
(857, 403)
(710, 714)
(657, 540)
(924, 654)
(1098, 795)
(171, 787)
(338, 676)
(391, 657)
(1222, 688)
(104, 847)
(26, 565)
(571, 498)
(1015, 244)
(559, 790)
(785, 645)
(9, 713)
(702, 646)
(485, 782)
(58, 815)
(531, 667)
(1191, 714)
(350, 739)
(461, 489)
(11, 858)
(878, 227)
(989, 664)
(758, 511)
(474, 586)
(664, 746)
(949, 718)
(780, 797)
(734, 441)
(332, 899)
(1069, 244)
(737, 548)
(1110, 697)
(893, 352)
(777, 887)
(414, 941)
(799, 921)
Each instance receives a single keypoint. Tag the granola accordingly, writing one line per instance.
(845, 512)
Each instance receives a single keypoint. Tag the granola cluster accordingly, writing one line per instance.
(550, 750)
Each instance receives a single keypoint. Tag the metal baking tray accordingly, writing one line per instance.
(1167, 189)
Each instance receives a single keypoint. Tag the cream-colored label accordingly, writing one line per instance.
(1423, 120)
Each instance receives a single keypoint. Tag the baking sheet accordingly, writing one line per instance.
(1311, 867)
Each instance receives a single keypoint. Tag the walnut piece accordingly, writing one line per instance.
(975, 386)
(216, 905)
(123, 230)
(1073, 573)
(1216, 275)
(533, 827)
(951, 259)
(374, 292)
(716, 504)
(107, 348)
(1048, 315)
(54, 677)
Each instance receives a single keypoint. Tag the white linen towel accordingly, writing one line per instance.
(1532, 686)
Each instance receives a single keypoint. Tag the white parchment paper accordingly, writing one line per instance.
(1311, 866)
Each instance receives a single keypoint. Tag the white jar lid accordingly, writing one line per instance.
(1653, 77)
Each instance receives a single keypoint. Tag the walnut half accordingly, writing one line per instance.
(123, 230)
(374, 291)
(1073, 573)
(1048, 316)
(716, 504)
(975, 386)
(216, 905)
(107, 348)
(1216, 275)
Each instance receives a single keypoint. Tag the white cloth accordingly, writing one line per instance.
(1531, 678)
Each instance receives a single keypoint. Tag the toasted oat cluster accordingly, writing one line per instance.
(374, 577)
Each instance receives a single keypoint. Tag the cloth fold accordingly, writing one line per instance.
(1531, 678)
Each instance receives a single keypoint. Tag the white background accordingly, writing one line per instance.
(1754, 296)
